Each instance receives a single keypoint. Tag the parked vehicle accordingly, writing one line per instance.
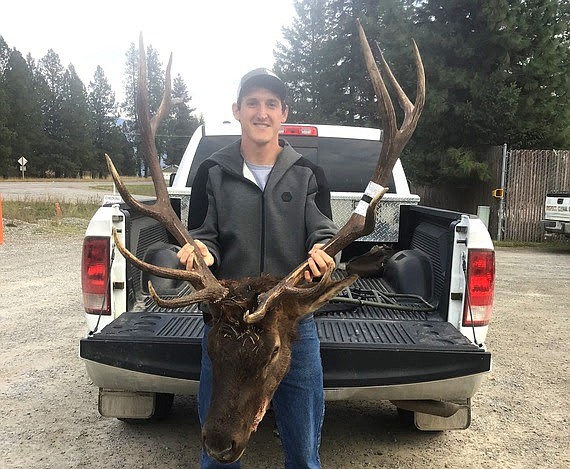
(411, 330)
(557, 213)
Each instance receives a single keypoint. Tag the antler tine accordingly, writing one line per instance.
(361, 222)
(193, 298)
(164, 272)
(395, 139)
(166, 103)
(385, 106)
(411, 111)
(150, 125)
(403, 100)
(201, 278)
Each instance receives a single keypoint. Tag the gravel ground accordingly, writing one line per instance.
(48, 407)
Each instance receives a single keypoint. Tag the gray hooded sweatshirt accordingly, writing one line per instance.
(250, 231)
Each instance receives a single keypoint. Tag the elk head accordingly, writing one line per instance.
(254, 320)
(249, 360)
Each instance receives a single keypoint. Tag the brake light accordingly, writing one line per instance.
(95, 275)
(481, 287)
(302, 130)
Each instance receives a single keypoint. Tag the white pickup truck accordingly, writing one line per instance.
(557, 213)
(411, 330)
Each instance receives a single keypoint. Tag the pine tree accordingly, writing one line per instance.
(387, 25)
(23, 110)
(77, 137)
(36, 120)
(181, 123)
(53, 159)
(4, 54)
(300, 60)
(496, 72)
(101, 100)
(6, 135)
(128, 106)
(540, 70)
(155, 77)
(107, 134)
(322, 59)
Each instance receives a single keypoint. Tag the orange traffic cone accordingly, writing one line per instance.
(1, 223)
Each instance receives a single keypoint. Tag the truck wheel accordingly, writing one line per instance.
(162, 406)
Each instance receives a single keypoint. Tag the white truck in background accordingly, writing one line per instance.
(412, 331)
(557, 213)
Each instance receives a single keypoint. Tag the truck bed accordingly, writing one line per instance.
(361, 344)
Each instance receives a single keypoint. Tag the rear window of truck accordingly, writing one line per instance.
(347, 163)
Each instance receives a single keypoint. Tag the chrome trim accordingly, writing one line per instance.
(446, 389)
(110, 377)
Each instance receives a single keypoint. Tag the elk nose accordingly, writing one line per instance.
(219, 447)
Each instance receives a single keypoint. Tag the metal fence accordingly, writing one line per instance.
(530, 174)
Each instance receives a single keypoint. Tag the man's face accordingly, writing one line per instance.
(260, 114)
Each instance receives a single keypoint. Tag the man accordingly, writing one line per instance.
(258, 206)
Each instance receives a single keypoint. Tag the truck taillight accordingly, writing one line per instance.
(481, 288)
(95, 275)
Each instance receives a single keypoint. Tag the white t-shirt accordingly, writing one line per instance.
(258, 173)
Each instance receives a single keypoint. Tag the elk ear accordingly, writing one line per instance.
(309, 299)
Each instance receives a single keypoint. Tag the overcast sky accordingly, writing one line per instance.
(214, 42)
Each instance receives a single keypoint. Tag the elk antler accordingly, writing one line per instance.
(361, 222)
(201, 278)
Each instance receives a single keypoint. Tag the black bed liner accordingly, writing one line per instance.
(360, 346)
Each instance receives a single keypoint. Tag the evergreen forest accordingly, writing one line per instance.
(64, 128)
(497, 71)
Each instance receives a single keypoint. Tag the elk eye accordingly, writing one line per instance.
(275, 351)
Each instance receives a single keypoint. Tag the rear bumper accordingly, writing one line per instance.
(556, 226)
(161, 352)
(111, 377)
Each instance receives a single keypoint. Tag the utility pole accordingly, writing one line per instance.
(502, 199)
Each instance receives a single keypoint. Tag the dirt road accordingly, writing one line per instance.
(61, 190)
(48, 407)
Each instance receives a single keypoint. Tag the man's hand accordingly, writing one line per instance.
(319, 260)
(186, 255)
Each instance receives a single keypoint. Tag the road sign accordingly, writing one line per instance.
(22, 162)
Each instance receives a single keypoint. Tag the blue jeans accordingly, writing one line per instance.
(298, 403)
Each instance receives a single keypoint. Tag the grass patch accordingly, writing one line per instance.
(30, 211)
(558, 245)
(134, 189)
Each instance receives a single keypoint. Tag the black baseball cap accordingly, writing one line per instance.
(264, 78)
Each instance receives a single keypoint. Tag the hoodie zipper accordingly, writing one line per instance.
(262, 254)
(262, 240)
